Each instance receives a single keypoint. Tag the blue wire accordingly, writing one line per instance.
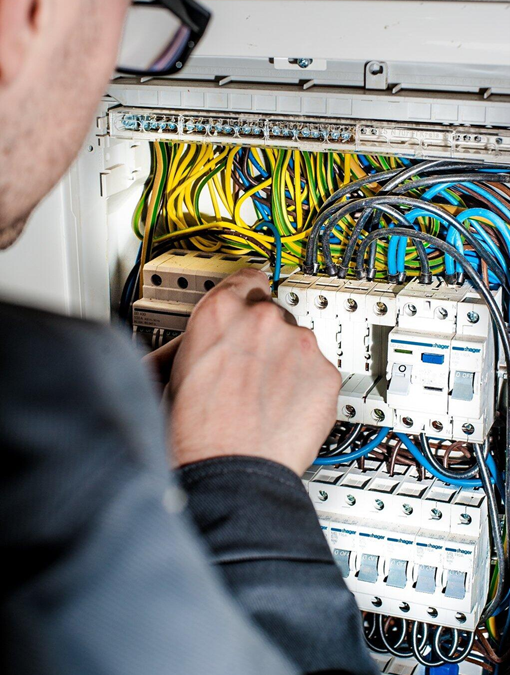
(278, 245)
(351, 456)
(258, 166)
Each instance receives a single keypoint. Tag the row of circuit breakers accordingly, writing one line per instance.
(413, 357)
(417, 358)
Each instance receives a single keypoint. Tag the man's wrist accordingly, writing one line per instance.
(250, 508)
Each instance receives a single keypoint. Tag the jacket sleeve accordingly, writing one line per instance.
(263, 534)
(102, 571)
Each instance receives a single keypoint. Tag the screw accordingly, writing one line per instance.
(246, 129)
(407, 421)
(276, 131)
(304, 63)
(478, 139)
(351, 500)
(335, 135)
(410, 310)
(377, 602)
(351, 305)
(473, 317)
(436, 514)
(465, 519)
(442, 313)
(404, 607)
(437, 426)
(349, 411)
(292, 299)
(468, 429)
(346, 135)
(407, 509)
(432, 611)
(323, 496)
(380, 308)
(321, 302)
(305, 132)
(379, 504)
(461, 618)
(499, 140)
(378, 415)
(376, 68)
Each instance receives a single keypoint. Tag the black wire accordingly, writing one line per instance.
(425, 274)
(448, 473)
(376, 202)
(440, 165)
(394, 649)
(418, 652)
(456, 178)
(496, 534)
(345, 444)
(450, 658)
(370, 637)
(394, 176)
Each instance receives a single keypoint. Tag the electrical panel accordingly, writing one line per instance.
(282, 106)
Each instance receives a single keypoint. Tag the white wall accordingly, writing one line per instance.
(38, 269)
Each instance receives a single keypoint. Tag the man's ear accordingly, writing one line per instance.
(18, 29)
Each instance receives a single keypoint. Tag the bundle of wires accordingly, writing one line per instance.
(361, 217)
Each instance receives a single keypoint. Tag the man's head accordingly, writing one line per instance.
(56, 57)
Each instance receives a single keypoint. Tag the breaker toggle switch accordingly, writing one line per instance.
(463, 385)
(368, 568)
(455, 585)
(426, 581)
(397, 575)
(342, 558)
(400, 379)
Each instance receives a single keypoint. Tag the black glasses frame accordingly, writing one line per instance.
(192, 15)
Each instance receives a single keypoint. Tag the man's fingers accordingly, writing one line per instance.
(249, 284)
(162, 360)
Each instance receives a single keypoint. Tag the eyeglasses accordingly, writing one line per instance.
(160, 36)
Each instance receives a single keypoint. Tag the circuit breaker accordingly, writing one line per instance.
(414, 357)
(411, 548)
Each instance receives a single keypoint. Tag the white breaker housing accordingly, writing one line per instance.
(173, 284)
(413, 357)
(406, 548)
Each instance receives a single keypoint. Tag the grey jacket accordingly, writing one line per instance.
(110, 568)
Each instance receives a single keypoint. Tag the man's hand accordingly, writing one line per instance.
(246, 382)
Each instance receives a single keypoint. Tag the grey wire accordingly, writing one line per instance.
(448, 473)
(496, 533)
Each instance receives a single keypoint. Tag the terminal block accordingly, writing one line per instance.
(173, 284)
